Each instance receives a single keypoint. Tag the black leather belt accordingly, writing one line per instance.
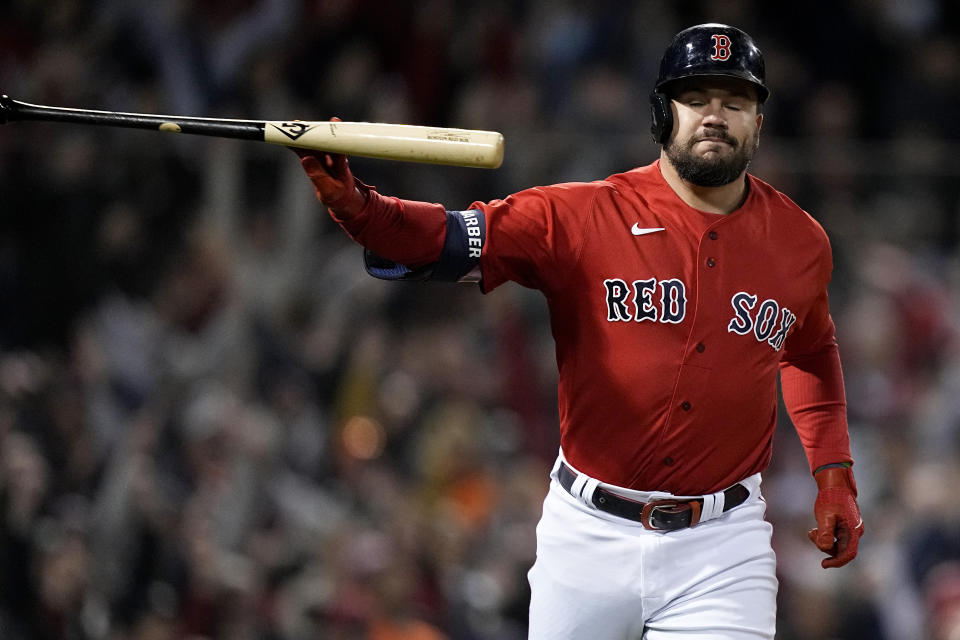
(662, 515)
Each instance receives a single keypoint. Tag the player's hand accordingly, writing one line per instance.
(332, 180)
(839, 525)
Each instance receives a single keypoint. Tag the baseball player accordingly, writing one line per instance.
(677, 292)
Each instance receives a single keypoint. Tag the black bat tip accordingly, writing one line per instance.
(6, 106)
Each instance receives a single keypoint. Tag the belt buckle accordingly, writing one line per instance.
(669, 510)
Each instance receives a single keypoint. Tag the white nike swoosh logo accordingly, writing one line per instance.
(637, 231)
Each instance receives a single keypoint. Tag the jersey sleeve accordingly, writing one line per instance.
(534, 236)
(531, 236)
(812, 385)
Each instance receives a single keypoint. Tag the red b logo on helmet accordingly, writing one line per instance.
(721, 47)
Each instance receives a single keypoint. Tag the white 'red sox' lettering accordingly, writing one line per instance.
(762, 322)
(665, 301)
(639, 302)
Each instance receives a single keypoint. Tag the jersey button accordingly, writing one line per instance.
(701, 347)
(668, 461)
(713, 235)
(711, 263)
(685, 406)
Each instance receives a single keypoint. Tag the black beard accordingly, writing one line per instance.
(710, 173)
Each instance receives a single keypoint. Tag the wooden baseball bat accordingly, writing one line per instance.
(412, 143)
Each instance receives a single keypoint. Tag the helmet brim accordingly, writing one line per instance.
(762, 92)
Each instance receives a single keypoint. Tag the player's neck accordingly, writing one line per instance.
(724, 199)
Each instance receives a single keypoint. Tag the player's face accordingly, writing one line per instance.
(716, 131)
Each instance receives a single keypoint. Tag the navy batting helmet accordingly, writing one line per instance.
(711, 49)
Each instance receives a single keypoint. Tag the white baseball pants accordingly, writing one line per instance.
(601, 577)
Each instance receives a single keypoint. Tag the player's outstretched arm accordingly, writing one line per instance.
(407, 232)
(839, 524)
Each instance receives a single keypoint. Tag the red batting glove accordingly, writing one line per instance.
(839, 524)
(333, 181)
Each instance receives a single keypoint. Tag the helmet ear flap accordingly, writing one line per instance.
(661, 117)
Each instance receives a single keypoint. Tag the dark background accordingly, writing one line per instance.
(214, 424)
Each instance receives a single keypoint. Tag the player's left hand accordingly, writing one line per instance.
(839, 524)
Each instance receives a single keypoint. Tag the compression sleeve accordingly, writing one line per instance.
(404, 231)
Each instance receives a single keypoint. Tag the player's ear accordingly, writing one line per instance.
(759, 120)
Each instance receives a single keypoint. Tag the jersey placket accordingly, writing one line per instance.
(696, 365)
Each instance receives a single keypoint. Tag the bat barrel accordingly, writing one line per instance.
(410, 143)
(11, 109)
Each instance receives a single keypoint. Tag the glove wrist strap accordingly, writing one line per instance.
(836, 478)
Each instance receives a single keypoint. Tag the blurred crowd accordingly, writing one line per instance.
(214, 424)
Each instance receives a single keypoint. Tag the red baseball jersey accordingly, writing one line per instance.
(670, 323)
